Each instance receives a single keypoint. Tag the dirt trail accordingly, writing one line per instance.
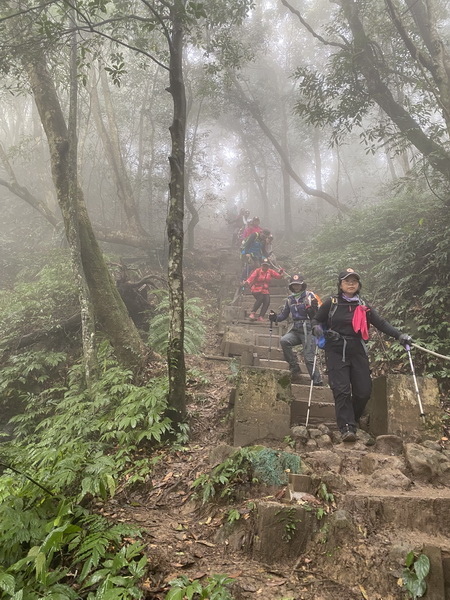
(362, 561)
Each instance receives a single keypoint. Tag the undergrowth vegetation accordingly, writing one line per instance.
(43, 294)
(402, 251)
(73, 445)
(194, 327)
(245, 466)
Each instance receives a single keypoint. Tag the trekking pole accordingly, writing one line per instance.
(277, 267)
(270, 340)
(408, 350)
(311, 385)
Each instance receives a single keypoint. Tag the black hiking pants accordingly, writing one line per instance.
(349, 378)
(261, 300)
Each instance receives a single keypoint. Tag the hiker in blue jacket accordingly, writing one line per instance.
(344, 321)
(302, 305)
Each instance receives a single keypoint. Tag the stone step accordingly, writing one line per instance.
(239, 349)
(425, 510)
(273, 364)
(319, 412)
(319, 394)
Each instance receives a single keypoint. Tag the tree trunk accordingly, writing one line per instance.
(190, 204)
(111, 144)
(175, 351)
(72, 227)
(109, 308)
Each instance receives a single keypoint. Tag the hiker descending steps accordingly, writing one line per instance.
(344, 321)
(302, 306)
(259, 281)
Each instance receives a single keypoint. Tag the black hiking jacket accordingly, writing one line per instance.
(342, 315)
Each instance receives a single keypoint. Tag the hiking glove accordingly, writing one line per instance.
(331, 335)
(272, 316)
(405, 339)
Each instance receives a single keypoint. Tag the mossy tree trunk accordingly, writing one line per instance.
(109, 309)
(175, 352)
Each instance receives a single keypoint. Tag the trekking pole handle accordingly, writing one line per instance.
(408, 350)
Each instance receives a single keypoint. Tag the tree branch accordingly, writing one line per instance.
(310, 29)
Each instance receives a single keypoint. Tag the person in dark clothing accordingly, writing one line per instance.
(301, 305)
(254, 249)
(344, 320)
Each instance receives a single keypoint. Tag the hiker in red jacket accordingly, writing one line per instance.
(259, 285)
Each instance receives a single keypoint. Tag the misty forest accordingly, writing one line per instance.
(140, 142)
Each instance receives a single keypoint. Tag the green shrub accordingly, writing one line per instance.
(215, 588)
(194, 327)
(246, 465)
(79, 441)
(42, 296)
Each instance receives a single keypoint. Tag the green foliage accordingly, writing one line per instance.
(288, 517)
(29, 373)
(414, 574)
(194, 327)
(80, 442)
(215, 589)
(51, 549)
(402, 251)
(246, 465)
(289, 441)
(41, 297)
(222, 481)
(233, 515)
(324, 494)
(271, 466)
(77, 444)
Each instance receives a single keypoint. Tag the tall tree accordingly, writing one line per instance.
(370, 55)
(109, 308)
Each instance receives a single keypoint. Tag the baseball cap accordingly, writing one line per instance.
(347, 273)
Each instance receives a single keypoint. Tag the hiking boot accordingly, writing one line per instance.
(318, 384)
(252, 316)
(348, 435)
(260, 319)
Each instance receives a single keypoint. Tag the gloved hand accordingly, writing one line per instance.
(405, 339)
(331, 335)
(317, 331)
(315, 304)
(272, 316)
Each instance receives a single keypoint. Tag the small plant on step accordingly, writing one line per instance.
(233, 515)
(324, 494)
(289, 441)
(287, 516)
(414, 575)
(215, 588)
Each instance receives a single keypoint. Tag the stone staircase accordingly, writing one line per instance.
(256, 346)
(391, 497)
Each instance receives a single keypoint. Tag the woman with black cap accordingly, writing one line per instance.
(301, 305)
(345, 321)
